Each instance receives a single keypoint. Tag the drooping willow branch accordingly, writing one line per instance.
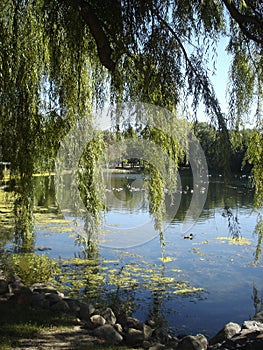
(208, 93)
(246, 20)
(203, 80)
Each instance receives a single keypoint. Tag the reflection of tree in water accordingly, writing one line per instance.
(87, 241)
(259, 231)
(233, 223)
(24, 237)
(158, 298)
(257, 299)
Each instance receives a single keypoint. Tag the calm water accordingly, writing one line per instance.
(229, 275)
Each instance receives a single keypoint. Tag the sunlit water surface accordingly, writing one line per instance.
(228, 277)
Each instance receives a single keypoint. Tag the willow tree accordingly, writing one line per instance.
(60, 58)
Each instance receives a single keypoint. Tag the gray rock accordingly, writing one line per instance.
(46, 304)
(147, 332)
(4, 286)
(60, 306)
(84, 313)
(157, 346)
(53, 297)
(225, 333)
(173, 343)
(97, 320)
(108, 333)
(38, 300)
(91, 309)
(247, 339)
(41, 288)
(22, 296)
(134, 337)
(15, 286)
(109, 316)
(198, 342)
(38, 296)
(146, 344)
(258, 317)
(73, 305)
(162, 335)
(203, 340)
(151, 323)
(253, 325)
(118, 327)
(131, 322)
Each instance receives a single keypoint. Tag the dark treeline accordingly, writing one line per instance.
(211, 143)
(209, 139)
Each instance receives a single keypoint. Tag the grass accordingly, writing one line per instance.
(11, 334)
(19, 321)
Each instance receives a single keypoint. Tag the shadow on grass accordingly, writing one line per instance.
(23, 327)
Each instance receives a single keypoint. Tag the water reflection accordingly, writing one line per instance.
(229, 276)
(233, 223)
(259, 233)
(24, 238)
(257, 299)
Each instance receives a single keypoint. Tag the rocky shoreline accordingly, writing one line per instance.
(119, 329)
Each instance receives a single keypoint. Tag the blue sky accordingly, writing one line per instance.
(221, 77)
(218, 65)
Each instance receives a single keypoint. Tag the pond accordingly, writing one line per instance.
(193, 280)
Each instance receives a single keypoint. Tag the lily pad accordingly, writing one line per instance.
(235, 241)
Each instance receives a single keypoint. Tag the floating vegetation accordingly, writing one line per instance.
(235, 241)
(166, 259)
(80, 262)
(203, 242)
(197, 251)
(7, 220)
(96, 275)
(176, 270)
(46, 220)
(189, 290)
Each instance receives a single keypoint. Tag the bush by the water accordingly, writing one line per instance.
(30, 268)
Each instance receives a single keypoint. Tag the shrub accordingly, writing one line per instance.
(30, 268)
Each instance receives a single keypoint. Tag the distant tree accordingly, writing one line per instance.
(240, 142)
(208, 137)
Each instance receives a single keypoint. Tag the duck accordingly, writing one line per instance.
(190, 236)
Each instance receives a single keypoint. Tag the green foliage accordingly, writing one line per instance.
(30, 268)
(211, 143)
(245, 76)
(90, 177)
(52, 55)
(61, 59)
(254, 156)
(155, 185)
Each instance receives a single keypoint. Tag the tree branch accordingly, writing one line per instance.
(210, 98)
(242, 20)
(96, 28)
